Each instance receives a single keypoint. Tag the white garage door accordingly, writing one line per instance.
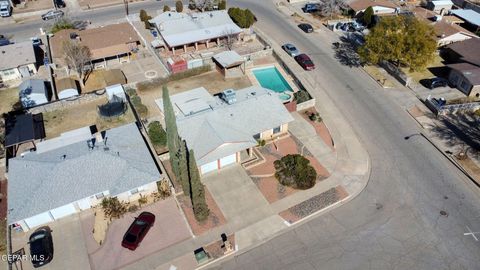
(39, 220)
(84, 204)
(212, 166)
(228, 160)
(63, 211)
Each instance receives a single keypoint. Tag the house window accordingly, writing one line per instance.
(99, 196)
(277, 130)
(256, 136)
(134, 191)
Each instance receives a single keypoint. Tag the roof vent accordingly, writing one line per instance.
(211, 15)
(229, 96)
(63, 157)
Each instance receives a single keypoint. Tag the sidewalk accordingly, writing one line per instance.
(350, 170)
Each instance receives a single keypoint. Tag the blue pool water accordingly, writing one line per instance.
(271, 78)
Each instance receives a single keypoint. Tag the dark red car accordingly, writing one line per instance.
(305, 61)
(137, 231)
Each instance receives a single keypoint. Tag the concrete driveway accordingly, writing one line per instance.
(237, 196)
(169, 228)
(69, 247)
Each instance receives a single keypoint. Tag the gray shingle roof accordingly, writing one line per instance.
(224, 129)
(40, 182)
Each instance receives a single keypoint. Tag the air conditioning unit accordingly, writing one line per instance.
(229, 96)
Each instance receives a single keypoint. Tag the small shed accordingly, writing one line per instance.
(66, 88)
(33, 92)
(230, 64)
(441, 7)
(115, 91)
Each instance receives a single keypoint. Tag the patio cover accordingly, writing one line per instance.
(23, 128)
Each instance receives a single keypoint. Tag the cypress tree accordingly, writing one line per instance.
(173, 140)
(200, 207)
(183, 175)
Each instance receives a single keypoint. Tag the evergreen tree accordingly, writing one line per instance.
(179, 6)
(200, 207)
(367, 16)
(222, 5)
(183, 175)
(173, 140)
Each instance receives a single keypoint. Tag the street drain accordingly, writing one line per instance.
(443, 213)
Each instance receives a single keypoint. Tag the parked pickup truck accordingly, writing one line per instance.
(5, 9)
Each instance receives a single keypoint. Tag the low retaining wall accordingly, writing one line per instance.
(306, 105)
(450, 109)
(64, 103)
(395, 72)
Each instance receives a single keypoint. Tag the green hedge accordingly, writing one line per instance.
(157, 134)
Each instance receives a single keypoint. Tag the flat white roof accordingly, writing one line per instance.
(468, 15)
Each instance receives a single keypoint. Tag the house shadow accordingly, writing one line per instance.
(441, 71)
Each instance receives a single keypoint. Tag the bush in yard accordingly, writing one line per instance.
(113, 208)
(163, 189)
(179, 6)
(367, 16)
(157, 134)
(166, 8)
(295, 171)
(244, 18)
(144, 17)
(315, 116)
(302, 96)
(222, 5)
(61, 24)
(141, 109)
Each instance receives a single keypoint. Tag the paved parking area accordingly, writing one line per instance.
(440, 92)
(69, 247)
(169, 228)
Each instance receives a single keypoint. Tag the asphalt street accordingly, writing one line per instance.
(417, 206)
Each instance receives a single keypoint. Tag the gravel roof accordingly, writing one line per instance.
(39, 182)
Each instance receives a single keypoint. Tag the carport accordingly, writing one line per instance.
(21, 129)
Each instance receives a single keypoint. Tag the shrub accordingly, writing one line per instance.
(143, 15)
(166, 8)
(222, 5)
(113, 208)
(295, 171)
(142, 200)
(244, 18)
(132, 208)
(157, 134)
(179, 6)
(302, 96)
(130, 92)
(140, 108)
(261, 142)
(315, 117)
(62, 24)
(163, 188)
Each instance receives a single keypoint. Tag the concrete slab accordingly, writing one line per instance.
(237, 196)
(169, 229)
(259, 231)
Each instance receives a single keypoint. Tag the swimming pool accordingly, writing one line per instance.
(271, 78)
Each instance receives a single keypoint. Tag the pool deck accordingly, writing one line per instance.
(284, 74)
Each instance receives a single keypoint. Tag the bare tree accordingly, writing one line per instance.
(76, 57)
(204, 5)
(230, 38)
(329, 8)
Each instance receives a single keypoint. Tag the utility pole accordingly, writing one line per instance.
(125, 3)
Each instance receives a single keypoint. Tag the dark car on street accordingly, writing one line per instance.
(307, 28)
(305, 62)
(137, 230)
(41, 246)
(437, 82)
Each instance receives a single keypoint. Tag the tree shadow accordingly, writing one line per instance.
(460, 129)
(346, 50)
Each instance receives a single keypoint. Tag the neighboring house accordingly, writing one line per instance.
(446, 31)
(76, 171)
(379, 6)
(17, 61)
(67, 88)
(440, 6)
(115, 42)
(471, 17)
(466, 78)
(182, 30)
(224, 130)
(466, 51)
(33, 92)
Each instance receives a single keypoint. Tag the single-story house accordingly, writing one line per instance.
(75, 171)
(222, 130)
(466, 78)
(114, 42)
(446, 31)
(440, 6)
(466, 51)
(17, 61)
(230, 64)
(67, 88)
(379, 6)
(33, 92)
(184, 30)
(470, 16)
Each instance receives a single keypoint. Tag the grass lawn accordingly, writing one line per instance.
(212, 81)
(81, 115)
(8, 98)
(425, 74)
(378, 76)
